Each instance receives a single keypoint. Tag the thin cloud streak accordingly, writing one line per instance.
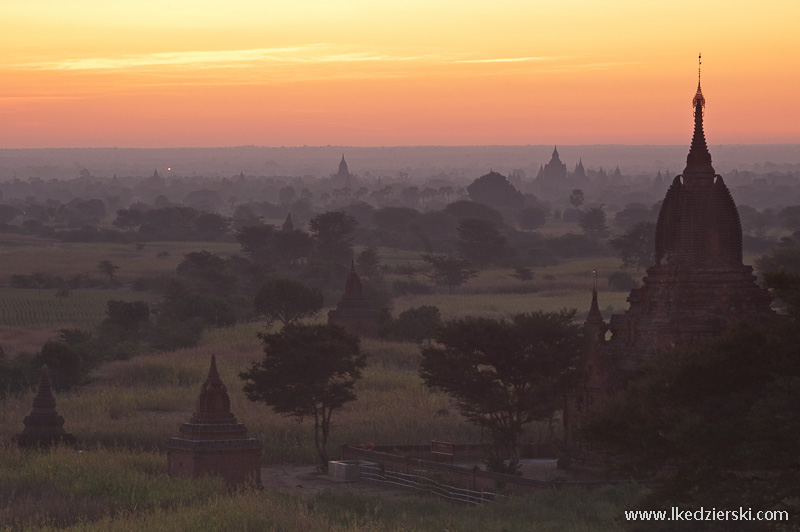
(304, 54)
(510, 60)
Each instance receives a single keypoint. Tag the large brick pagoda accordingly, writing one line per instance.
(213, 441)
(697, 287)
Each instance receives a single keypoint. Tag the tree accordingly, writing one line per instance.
(533, 216)
(257, 241)
(784, 257)
(576, 198)
(636, 247)
(288, 301)
(480, 241)
(633, 214)
(287, 195)
(493, 189)
(293, 246)
(368, 261)
(505, 374)
(464, 209)
(789, 217)
(332, 231)
(394, 219)
(414, 324)
(124, 321)
(449, 270)
(593, 223)
(208, 269)
(307, 371)
(108, 268)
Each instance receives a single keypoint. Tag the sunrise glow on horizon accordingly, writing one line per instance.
(161, 73)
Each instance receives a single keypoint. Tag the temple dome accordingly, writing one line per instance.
(698, 223)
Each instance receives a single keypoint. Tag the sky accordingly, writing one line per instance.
(172, 73)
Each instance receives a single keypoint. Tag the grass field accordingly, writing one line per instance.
(41, 309)
(124, 416)
(105, 490)
(24, 255)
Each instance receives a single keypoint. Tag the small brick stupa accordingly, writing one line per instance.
(213, 442)
(43, 426)
(353, 312)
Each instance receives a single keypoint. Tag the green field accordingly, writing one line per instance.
(126, 412)
(125, 415)
(25, 255)
(41, 309)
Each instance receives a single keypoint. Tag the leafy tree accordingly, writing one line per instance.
(108, 268)
(533, 216)
(258, 242)
(208, 269)
(307, 371)
(576, 198)
(789, 217)
(636, 247)
(332, 230)
(287, 195)
(184, 312)
(394, 219)
(633, 214)
(480, 241)
(785, 257)
(292, 247)
(413, 324)
(464, 209)
(211, 225)
(128, 219)
(67, 365)
(368, 262)
(288, 301)
(449, 270)
(8, 213)
(493, 189)
(593, 223)
(124, 321)
(505, 374)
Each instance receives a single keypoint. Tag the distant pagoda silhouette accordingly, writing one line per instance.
(353, 312)
(44, 427)
(342, 178)
(213, 441)
(696, 288)
(554, 171)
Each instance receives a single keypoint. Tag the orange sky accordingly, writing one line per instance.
(154, 73)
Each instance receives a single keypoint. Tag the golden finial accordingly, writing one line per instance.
(698, 97)
(699, 63)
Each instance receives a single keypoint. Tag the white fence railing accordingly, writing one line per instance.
(377, 473)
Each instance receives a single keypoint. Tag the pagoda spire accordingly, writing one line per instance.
(699, 159)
